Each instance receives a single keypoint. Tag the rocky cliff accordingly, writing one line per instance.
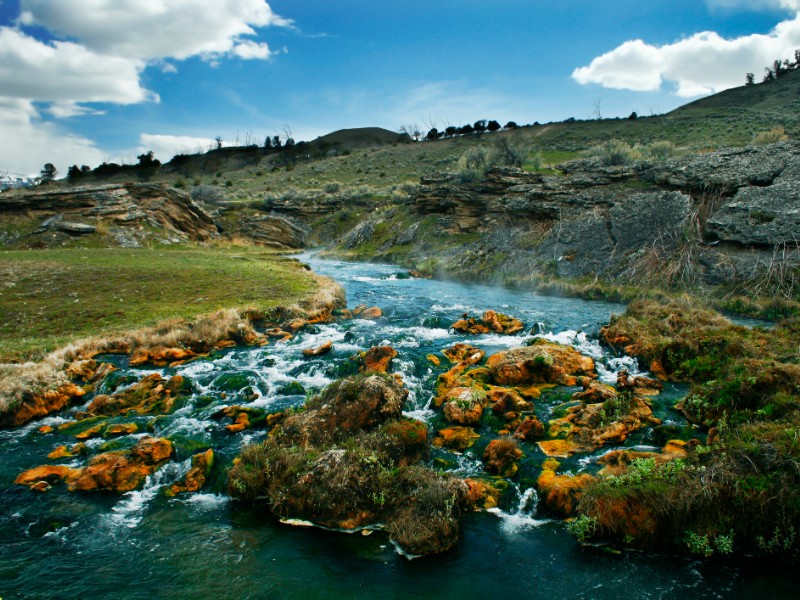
(712, 218)
(128, 212)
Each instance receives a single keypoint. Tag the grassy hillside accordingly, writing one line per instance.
(376, 162)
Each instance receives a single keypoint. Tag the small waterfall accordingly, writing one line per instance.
(130, 511)
(521, 516)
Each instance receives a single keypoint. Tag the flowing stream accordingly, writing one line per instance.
(145, 545)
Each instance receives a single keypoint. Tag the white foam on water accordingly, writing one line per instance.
(522, 517)
(206, 501)
(130, 511)
(417, 333)
(186, 425)
(60, 534)
(578, 340)
(497, 340)
(426, 415)
(455, 307)
(608, 371)
(467, 465)
(196, 368)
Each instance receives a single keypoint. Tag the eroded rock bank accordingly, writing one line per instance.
(726, 218)
(126, 210)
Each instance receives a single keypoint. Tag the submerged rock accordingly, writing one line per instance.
(153, 394)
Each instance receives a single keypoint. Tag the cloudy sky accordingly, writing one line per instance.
(83, 81)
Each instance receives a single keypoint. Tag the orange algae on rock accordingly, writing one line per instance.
(378, 359)
(561, 493)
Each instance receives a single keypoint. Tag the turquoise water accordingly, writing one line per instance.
(144, 545)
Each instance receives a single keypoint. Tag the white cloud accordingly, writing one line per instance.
(248, 50)
(36, 142)
(65, 72)
(701, 64)
(100, 51)
(166, 146)
(155, 29)
(755, 5)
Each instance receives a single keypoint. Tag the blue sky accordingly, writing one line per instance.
(82, 81)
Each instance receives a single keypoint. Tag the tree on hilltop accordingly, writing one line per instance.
(47, 174)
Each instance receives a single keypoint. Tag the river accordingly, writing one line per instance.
(145, 545)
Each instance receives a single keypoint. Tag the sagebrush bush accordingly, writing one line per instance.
(208, 194)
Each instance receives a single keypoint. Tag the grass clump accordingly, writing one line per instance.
(771, 136)
(351, 460)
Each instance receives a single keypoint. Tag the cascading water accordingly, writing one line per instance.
(144, 544)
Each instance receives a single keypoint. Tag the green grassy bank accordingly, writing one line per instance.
(49, 298)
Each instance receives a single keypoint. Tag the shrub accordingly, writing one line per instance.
(510, 152)
(582, 528)
(615, 153)
(207, 194)
(474, 159)
(776, 134)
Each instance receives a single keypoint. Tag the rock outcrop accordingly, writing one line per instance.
(112, 471)
(723, 213)
(124, 209)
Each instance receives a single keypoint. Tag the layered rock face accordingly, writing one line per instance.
(79, 210)
(727, 211)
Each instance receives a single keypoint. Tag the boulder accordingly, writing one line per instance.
(456, 438)
(464, 406)
(560, 494)
(159, 356)
(123, 471)
(464, 354)
(377, 359)
(319, 350)
(542, 362)
(195, 479)
(501, 456)
(47, 473)
(490, 322)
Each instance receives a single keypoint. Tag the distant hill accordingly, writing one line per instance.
(362, 136)
(779, 96)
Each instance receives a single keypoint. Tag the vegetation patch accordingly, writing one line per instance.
(741, 491)
(350, 460)
(51, 298)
